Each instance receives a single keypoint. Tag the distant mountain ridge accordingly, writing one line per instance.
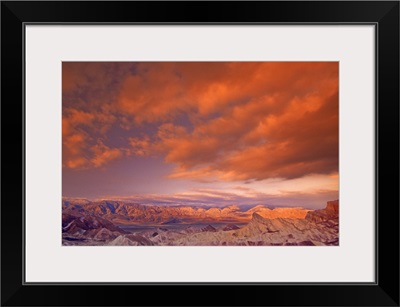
(131, 213)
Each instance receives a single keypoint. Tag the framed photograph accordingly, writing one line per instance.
(248, 150)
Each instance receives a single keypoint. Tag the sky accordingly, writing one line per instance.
(201, 133)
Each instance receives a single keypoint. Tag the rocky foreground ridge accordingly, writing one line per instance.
(95, 224)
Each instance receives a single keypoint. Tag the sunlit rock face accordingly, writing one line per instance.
(138, 225)
(128, 213)
(330, 213)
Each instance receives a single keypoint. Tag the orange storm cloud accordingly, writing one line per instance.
(241, 120)
(76, 139)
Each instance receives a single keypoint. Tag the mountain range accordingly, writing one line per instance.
(131, 213)
(120, 223)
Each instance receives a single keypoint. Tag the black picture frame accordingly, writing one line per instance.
(383, 14)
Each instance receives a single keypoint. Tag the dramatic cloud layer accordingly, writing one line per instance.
(212, 122)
